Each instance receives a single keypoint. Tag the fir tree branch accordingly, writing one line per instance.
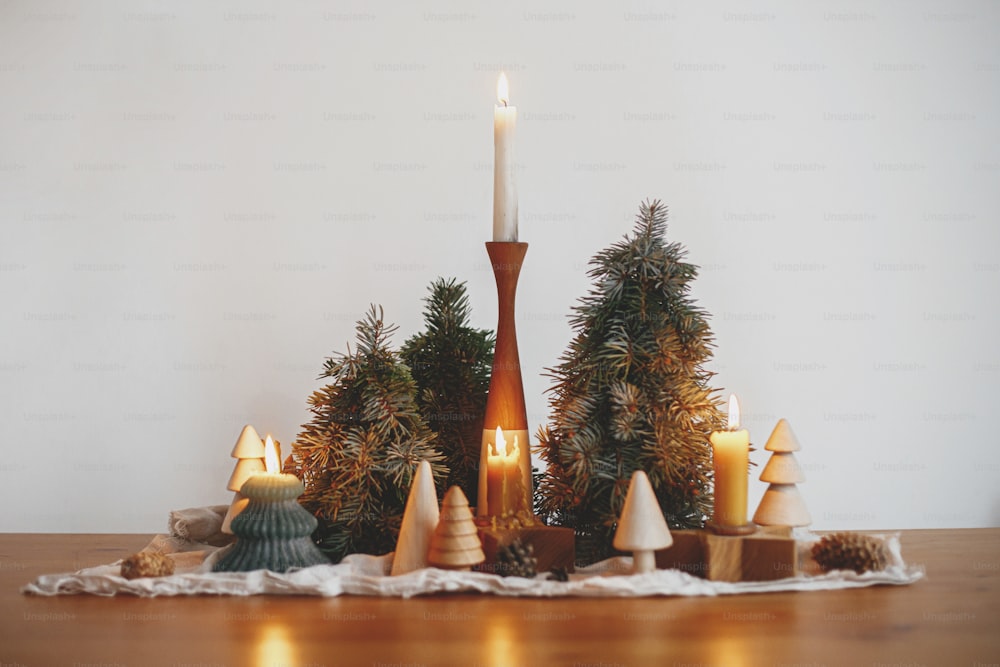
(631, 392)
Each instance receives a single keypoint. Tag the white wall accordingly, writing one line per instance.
(199, 199)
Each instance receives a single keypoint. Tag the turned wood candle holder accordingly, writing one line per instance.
(505, 402)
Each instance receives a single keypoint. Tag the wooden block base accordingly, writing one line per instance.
(769, 557)
(765, 555)
(688, 553)
(554, 546)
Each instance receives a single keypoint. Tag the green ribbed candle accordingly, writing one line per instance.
(273, 532)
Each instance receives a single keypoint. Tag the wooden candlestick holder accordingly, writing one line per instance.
(505, 402)
(554, 547)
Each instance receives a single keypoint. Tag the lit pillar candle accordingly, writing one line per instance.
(731, 460)
(272, 466)
(504, 189)
(503, 476)
(512, 479)
(495, 475)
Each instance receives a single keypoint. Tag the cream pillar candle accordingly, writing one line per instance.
(272, 465)
(731, 460)
(504, 188)
(503, 472)
(496, 475)
(512, 479)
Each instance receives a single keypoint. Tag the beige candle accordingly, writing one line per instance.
(731, 461)
(512, 479)
(502, 476)
(495, 477)
(272, 477)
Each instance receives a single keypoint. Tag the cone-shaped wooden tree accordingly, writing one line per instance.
(642, 528)
(249, 452)
(419, 521)
(455, 544)
(782, 505)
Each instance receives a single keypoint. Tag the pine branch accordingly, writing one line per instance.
(451, 364)
(631, 392)
(359, 453)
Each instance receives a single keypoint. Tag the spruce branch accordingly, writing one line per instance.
(451, 364)
(631, 392)
(358, 455)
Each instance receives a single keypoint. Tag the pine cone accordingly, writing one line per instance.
(851, 551)
(147, 564)
(516, 560)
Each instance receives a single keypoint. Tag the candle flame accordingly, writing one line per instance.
(734, 413)
(503, 96)
(271, 462)
(501, 444)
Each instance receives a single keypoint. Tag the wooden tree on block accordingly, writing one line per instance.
(782, 505)
(420, 519)
(642, 528)
(249, 452)
(455, 544)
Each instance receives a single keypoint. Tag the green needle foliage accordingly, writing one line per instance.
(631, 392)
(358, 455)
(451, 363)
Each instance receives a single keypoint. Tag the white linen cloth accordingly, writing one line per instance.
(361, 574)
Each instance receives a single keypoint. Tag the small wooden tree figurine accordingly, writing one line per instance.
(419, 521)
(782, 505)
(455, 544)
(249, 450)
(642, 528)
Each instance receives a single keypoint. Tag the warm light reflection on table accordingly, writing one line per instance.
(729, 651)
(274, 647)
(501, 649)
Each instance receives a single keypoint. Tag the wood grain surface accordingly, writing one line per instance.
(952, 617)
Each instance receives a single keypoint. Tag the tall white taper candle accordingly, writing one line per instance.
(504, 188)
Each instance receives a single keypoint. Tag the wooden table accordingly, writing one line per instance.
(952, 617)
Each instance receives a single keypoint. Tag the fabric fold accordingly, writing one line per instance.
(361, 574)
